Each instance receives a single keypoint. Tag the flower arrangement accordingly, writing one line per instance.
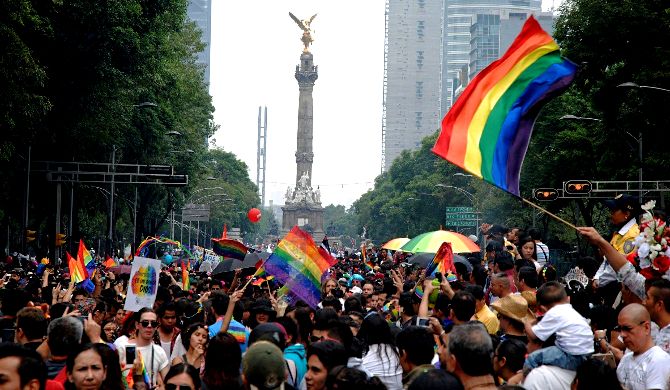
(652, 249)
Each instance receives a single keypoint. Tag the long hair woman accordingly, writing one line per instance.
(381, 355)
(182, 376)
(222, 363)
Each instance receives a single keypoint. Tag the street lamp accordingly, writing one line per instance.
(630, 84)
(461, 174)
(468, 195)
(579, 118)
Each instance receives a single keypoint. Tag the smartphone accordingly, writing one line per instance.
(438, 276)
(88, 306)
(130, 354)
(423, 322)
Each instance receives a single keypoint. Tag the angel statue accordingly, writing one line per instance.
(305, 24)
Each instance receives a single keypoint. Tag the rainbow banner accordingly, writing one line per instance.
(228, 248)
(487, 130)
(109, 263)
(442, 262)
(297, 259)
(143, 248)
(77, 270)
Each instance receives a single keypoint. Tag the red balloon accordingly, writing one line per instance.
(254, 215)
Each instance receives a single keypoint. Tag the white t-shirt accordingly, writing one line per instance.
(649, 370)
(382, 362)
(542, 253)
(154, 366)
(178, 350)
(549, 377)
(573, 333)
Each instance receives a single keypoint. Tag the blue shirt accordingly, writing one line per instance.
(235, 328)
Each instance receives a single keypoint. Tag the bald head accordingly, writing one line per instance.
(502, 278)
(635, 312)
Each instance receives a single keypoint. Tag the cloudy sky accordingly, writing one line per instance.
(255, 48)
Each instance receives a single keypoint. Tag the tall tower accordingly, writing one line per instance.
(306, 73)
(303, 203)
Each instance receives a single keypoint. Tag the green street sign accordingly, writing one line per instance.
(459, 209)
(460, 223)
(462, 216)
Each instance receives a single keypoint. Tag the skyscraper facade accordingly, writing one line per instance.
(432, 50)
(200, 12)
(411, 75)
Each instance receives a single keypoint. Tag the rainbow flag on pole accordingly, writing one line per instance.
(487, 130)
(77, 270)
(442, 262)
(297, 259)
(228, 248)
(84, 256)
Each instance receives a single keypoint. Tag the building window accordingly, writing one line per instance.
(303, 221)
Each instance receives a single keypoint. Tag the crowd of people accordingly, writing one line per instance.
(503, 319)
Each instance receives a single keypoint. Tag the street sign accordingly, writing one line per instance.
(460, 223)
(459, 209)
(195, 213)
(461, 216)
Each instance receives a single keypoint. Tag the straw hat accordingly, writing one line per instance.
(513, 306)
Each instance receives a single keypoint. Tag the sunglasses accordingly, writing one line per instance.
(172, 386)
(147, 324)
(623, 328)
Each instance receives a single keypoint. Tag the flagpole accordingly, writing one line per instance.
(252, 276)
(550, 213)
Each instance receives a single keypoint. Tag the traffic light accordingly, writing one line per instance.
(60, 239)
(545, 194)
(577, 187)
(31, 235)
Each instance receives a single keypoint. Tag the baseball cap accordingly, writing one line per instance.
(263, 366)
(356, 290)
(624, 202)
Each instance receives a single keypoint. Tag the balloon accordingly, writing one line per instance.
(167, 259)
(254, 215)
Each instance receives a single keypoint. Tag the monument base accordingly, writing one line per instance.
(307, 217)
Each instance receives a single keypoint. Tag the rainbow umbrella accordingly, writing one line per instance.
(395, 244)
(430, 242)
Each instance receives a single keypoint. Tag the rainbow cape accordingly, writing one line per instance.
(487, 130)
(77, 270)
(228, 248)
(145, 374)
(442, 262)
(297, 259)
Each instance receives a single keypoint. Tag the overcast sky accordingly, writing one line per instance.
(254, 50)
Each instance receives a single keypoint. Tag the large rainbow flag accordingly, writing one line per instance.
(229, 248)
(487, 130)
(297, 259)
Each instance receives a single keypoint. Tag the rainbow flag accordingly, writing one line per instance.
(442, 262)
(297, 259)
(368, 266)
(84, 256)
(487, 130)
(228, 248)
(145, 374)
(185, 280)
(77, 270)
(109, 263)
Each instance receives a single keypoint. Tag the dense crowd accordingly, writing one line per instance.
(503, 319)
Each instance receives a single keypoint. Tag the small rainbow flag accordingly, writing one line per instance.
(487, 130)
(84, 256)
(145, 374)
(369, 266)
(77, 270)
(185, 280)
(228, 248)
(297, 259)
(442, 262)
(109, 263)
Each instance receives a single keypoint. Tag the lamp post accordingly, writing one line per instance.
(630, 84)
(470, 197)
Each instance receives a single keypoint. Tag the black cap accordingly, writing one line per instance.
(624, 202)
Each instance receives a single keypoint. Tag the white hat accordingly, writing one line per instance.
(355, 290)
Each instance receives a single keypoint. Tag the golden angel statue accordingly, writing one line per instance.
(304, 25)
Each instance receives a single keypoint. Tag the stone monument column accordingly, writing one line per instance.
(306, 74)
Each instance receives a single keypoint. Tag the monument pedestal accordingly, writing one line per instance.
(307, 217)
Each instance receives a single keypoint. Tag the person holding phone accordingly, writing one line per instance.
(153, 355)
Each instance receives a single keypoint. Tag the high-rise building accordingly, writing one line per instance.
(459, 17)
(200, 12)
(412, 66)
(431, 49)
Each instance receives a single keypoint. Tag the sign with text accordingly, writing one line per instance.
(460, 210)
(460, 223)
(143, 283)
